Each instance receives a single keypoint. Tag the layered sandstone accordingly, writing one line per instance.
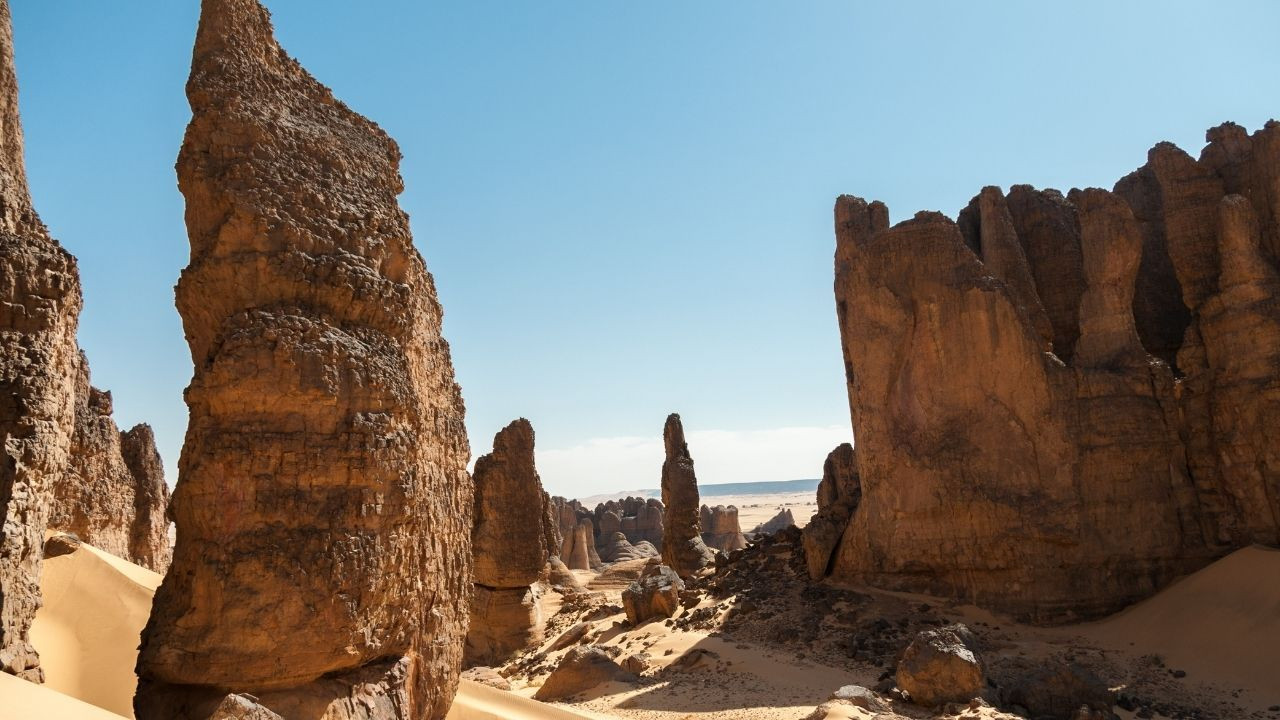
(39, 309)
(720, 528)
(509, 548)
(323, 509)
(682, 547)
(1064, 402)
(640, 519)
(102, 498)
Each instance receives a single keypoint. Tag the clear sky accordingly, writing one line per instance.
(627, 205)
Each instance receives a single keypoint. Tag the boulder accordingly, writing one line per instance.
(940, 666)
(617, 549)
(859, 696)
(242, 707)
(323, 507)
(784, 519)
(682, 546)
(655, 594)
(581, 669)
(486, 676)
(561, 578)
(1055, 689)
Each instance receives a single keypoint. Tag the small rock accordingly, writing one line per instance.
(486, 676)
(242, 707)
(859, 696)
(581, 669)
(62, 544)
(571, 636)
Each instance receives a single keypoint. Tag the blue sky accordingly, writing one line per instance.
(627, 205)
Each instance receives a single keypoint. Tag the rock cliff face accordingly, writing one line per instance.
(323, 508)
(1063, 403)
(39, 310)
(720, 528)
(839, 493)
(682, 547)
(640, 519)
(103, 499)
(510, 549)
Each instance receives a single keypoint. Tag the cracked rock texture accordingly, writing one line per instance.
(1063, 402)
(682, 547)
(39, 310)
(323, 508)
(509, 547)
(112, 494)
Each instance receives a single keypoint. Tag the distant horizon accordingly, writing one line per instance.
(627, 210)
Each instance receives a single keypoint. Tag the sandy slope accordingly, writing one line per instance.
(95, 606)
(480, 702)
(21, 700)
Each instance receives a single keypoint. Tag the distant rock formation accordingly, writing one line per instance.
(1062, 403)
(103, 499)
(510, 549)
(720, 529)
(39, 311)
(682, 547)
(839, 493)
(324, 510)
(784, 519)
(617, 549)
(640, 519)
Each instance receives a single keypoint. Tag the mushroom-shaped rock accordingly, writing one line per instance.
(581, 669)
(655, 594)
(940, 666)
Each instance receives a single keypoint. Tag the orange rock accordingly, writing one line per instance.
(682, 546)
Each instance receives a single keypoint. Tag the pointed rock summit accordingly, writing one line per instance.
(323, 507)
(509, 541)
(682, 546)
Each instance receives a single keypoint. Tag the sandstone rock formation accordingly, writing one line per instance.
(39, 310)
(655, 594)
(939, 666)
(682, 546)
(112, 496)
(617, 549)
(324, 511)
(640, 519)
(1062, 403)
(581, 669)
(839, 493)
(509, 547)
(784, 519)
(720, 528)
(560, 577)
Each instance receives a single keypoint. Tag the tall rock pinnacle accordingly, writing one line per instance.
(682, 545)
(323, 506)
(39, 310)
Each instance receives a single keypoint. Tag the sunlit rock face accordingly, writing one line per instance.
(323, 507)
(1062, 403)
(39, 311)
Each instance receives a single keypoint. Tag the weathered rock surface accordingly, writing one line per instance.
(486, 676)
(720, 528)
(559, 576)
(839, 493)
(510, 549)
(682, 546)
(640, 519)
(939, 666)
(112, 496)
(617, 549)
(655, 594)
(784, 519)
(581, 669)
(1064, 468)
(1050, 689)
(39, 309)
(324, 511)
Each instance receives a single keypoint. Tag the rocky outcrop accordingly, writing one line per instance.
(617, 549)
(655, 594)
(510, 550)
(1062, 403)
(839, 493)
(39, 309)
(940, 666)
(640, 519)
(323, 508)
(720, 528)
(682, 546)
(784, 519)
(581, 669)
(149, 537)
(102, 498)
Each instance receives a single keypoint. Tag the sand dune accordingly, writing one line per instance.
(28, 701)
(480, 702)
(1220, 624)
(95, 606)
